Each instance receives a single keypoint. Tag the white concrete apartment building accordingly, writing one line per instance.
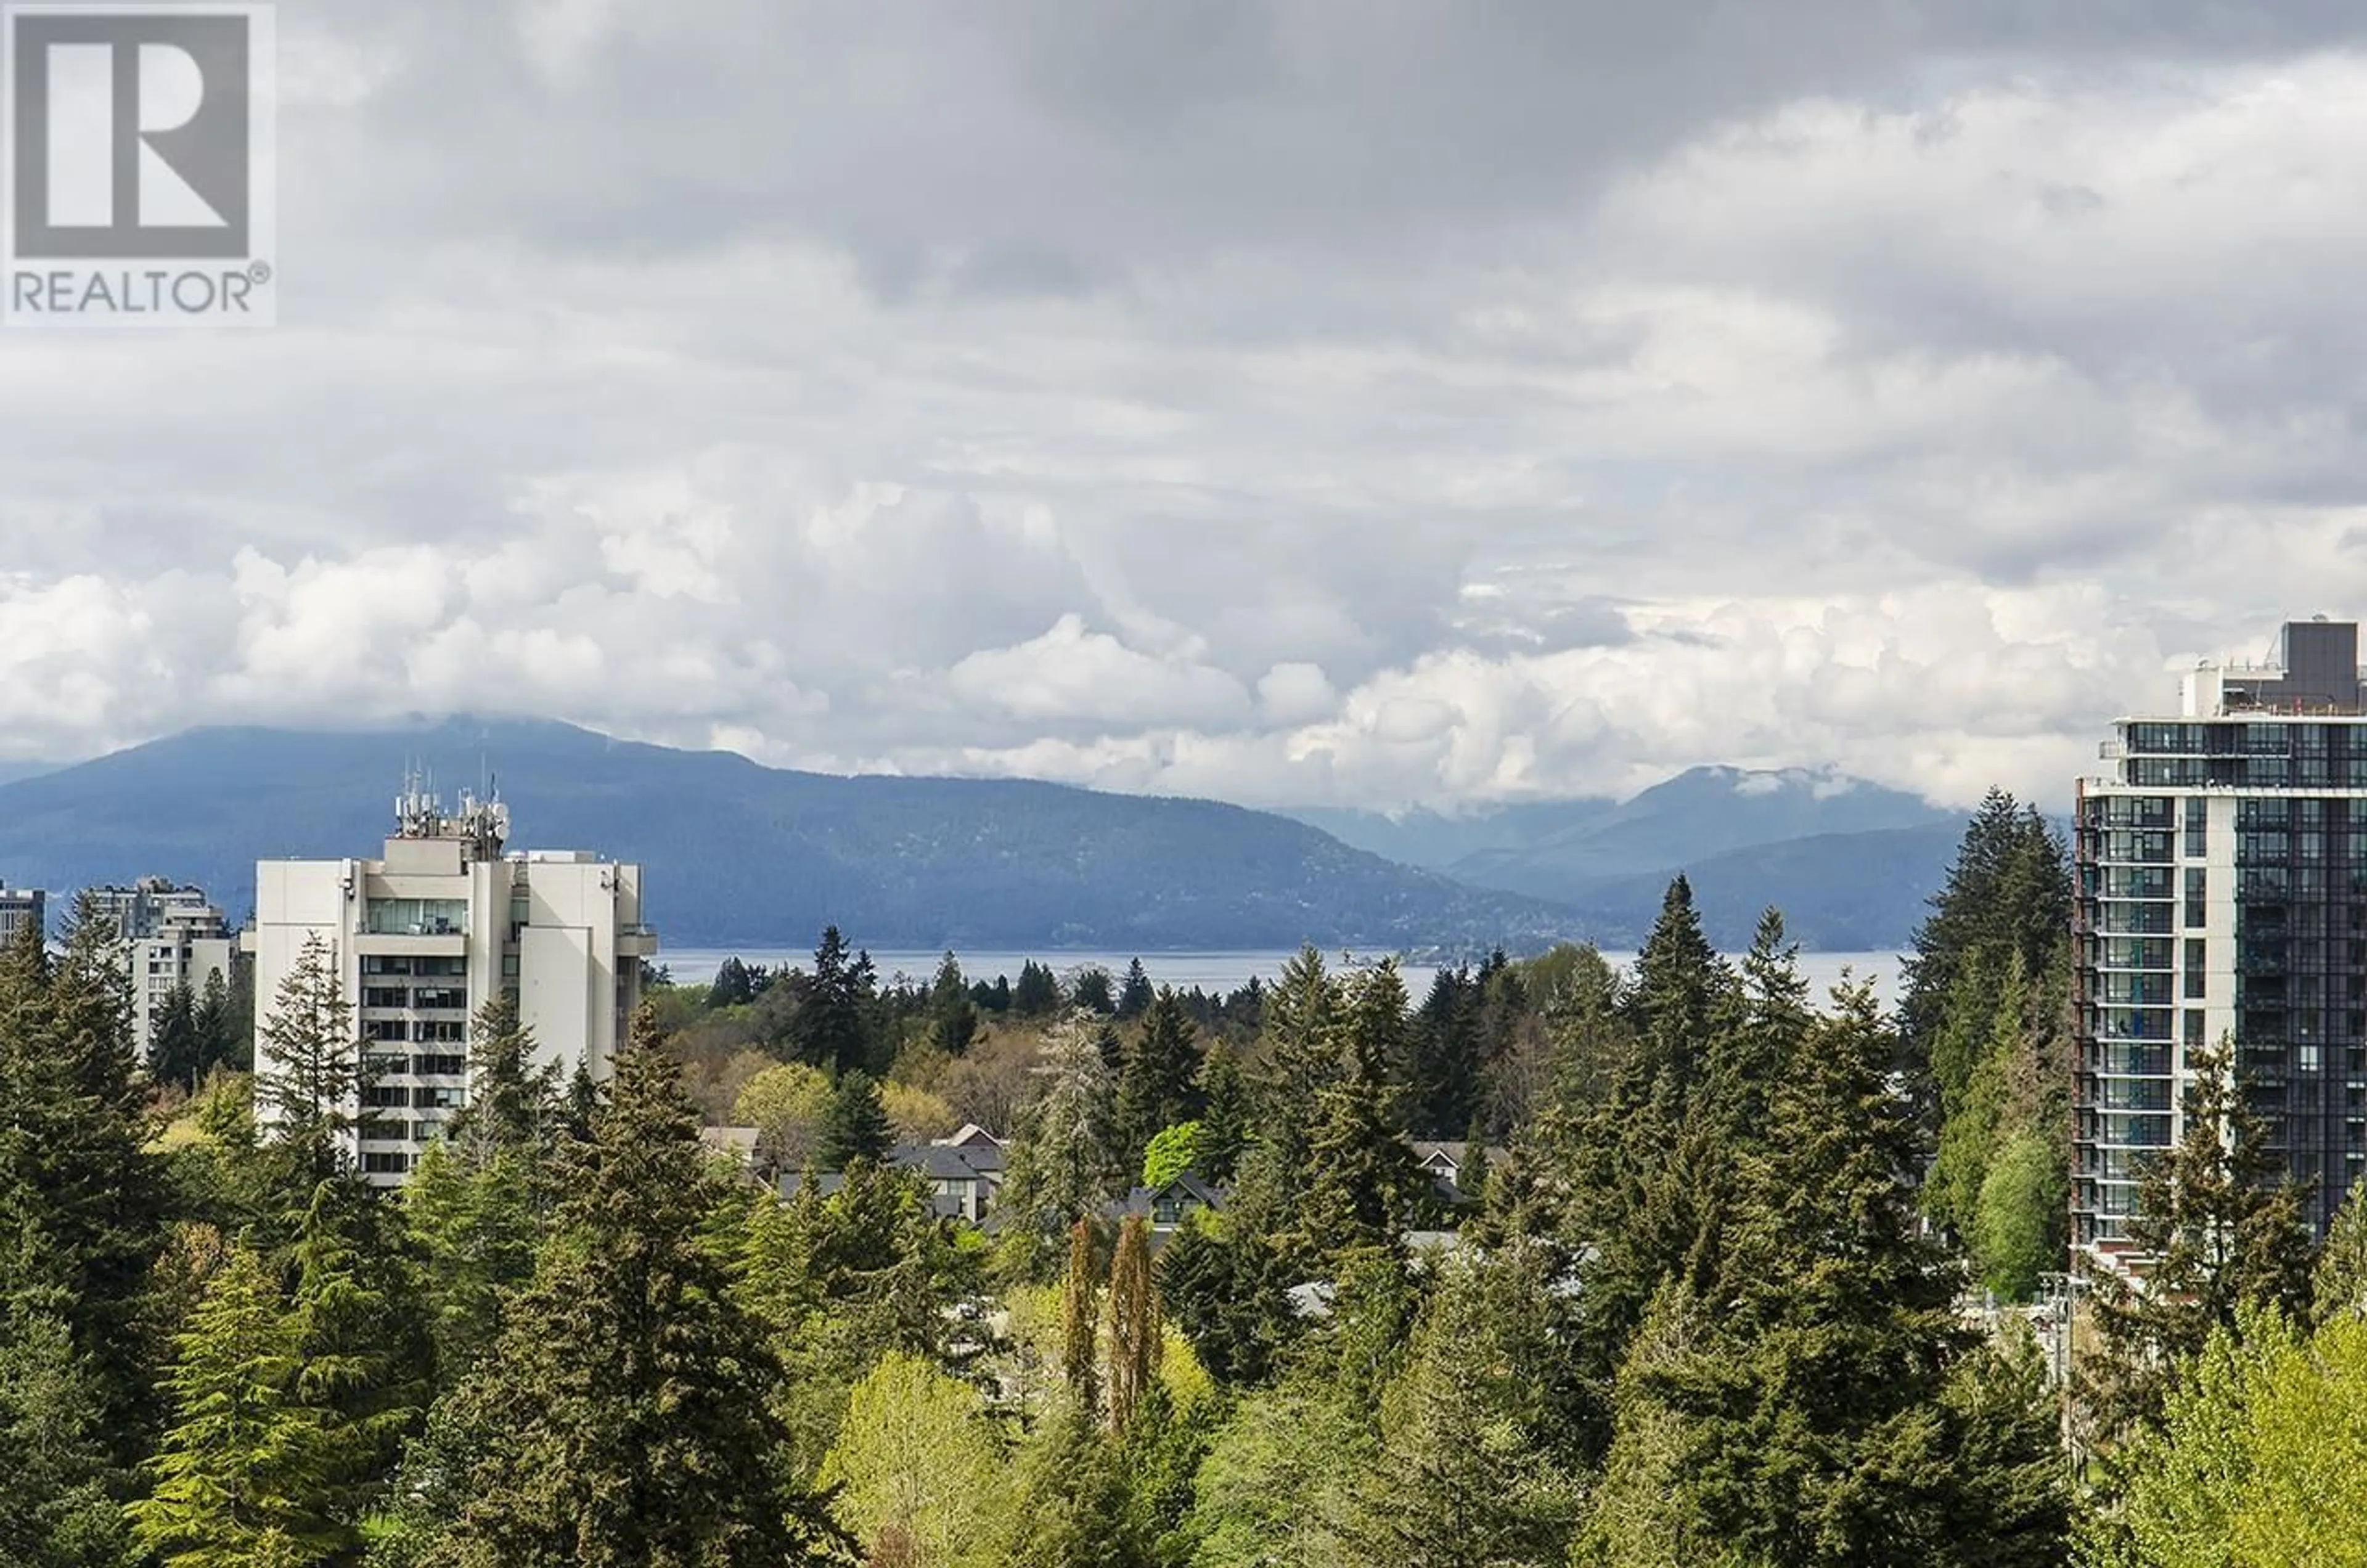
(427, 932)
(169, 935)
(20, 904)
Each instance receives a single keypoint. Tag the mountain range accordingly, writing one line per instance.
(1850, 862)
(737, 853)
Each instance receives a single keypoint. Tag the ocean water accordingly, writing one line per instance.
(1214, 971)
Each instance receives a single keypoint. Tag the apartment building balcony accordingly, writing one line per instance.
(416, 944)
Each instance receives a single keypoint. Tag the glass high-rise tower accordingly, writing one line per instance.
(2223, 894)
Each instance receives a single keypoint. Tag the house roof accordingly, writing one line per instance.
(971, 1135)
(1451, 1154)
(941, 1162)
(1190, 1187)
(826, 1183)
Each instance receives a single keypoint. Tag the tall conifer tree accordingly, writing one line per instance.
(624, 1417)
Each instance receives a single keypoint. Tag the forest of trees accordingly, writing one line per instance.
(1716, 1304)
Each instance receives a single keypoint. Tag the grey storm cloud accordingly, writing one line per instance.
(1312, 401)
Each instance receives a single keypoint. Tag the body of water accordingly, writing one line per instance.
(1215, 972)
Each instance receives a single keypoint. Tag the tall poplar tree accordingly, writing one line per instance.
(1134, 1340)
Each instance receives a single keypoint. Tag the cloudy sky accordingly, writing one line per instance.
(1352, 401)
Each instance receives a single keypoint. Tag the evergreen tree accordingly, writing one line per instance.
(828, 1030)
(225, 1032)
(1225, 1123)
(1037, 992)
(1473, 1469)
(1682, 993)
(1093, 992)
(177, 1052)
(58, 1510)
(362, 1341)
(512, 1099)
(1135, 997)
(1365, 1184)
(246, 1469)
(2004, 899)
(82, 1200)
(310, 1078)
(1444, 1070)
(1814, 1399)
(1072, 1507)
(853, 1126)
(1064, 1161)
(623, 1419)
(1157, 1075)
(954, 1023)
(2222, 1231)
(478, 1226)
(2340, 1285)
(732, 986)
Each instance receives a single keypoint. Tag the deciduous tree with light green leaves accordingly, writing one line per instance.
(2260, 1460)
(918, 1470)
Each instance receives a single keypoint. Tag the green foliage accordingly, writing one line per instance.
(2225, 1232)
(1826, 1408)
(2340, 1284)
(855, 1127)
(1172, 1152)
(2261, 1456)
(177, 1052)
(1063, 1161)
(954, 1023)
(786, 1105)
(1073, 1511)
(2004, 899)
(829, 1026)
(59, 1508)
(1473, 1468)
(1133, 1333)
(1363, 1185)
(918, 1474)
(1037, 994)
(82, 1200)
(362, 1338)
(1159, 1069)
(1080, 1368)
(310, 1072)
(247, 1469)
(838, 1282)
(623, 1415)
(1134, 995)
(2016, 1230)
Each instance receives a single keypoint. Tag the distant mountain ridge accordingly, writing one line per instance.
(737, 853)
(1851, 862)
(740, 855)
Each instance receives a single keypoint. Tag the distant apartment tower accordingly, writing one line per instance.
(170, 936)
(429, 931)
(2223, 893)
(20, 904)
